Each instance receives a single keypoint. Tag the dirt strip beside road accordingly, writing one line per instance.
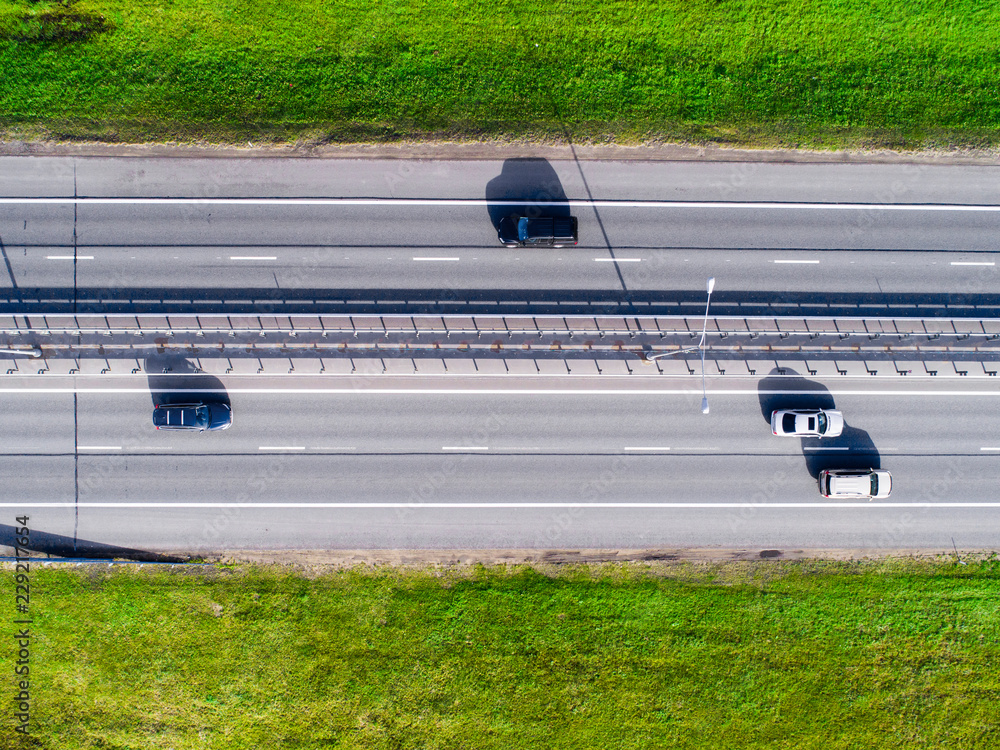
(499, 151)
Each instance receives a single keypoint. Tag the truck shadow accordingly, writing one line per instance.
(852, 449)
(175, 380)
(528, 180)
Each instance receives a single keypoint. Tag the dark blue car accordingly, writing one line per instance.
(197, 417)
(541, 231)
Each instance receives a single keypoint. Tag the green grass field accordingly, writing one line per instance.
(770, 655)
(821, 73)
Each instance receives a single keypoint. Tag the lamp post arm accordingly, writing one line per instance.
(34, 353)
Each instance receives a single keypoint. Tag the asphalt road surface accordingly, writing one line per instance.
(806, 244)
(513, 465)
(349, 468)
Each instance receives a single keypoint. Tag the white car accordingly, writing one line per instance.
(855, 483)
(817, 423)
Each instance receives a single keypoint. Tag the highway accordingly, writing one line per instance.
(648, 273)
(441, 226)
(924, 214)
(235, 268)
(912, 239)
(340, 260)
(516, 423)
(491, 464)
(321, 464)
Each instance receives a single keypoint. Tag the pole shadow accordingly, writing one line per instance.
(64, 546)
(852, 449)
(529, 180)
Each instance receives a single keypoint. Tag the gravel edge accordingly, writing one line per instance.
(497, 151)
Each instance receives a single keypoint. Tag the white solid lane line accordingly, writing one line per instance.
(824, 448)
(753, 205)
(432, 258)
(253, 257)
(281, 448)
(99, 447)
(69, 257)
(811, 262)
(989, 449)
(617, 260)
(36, 391)
(652, 448)
(970, 263)
(417, 505)
(464, 448)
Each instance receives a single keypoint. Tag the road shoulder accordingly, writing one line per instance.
(498, 151)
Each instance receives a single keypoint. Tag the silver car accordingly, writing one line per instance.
(855, 483)
(818, 423)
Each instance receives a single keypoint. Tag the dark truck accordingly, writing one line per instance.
(542, 231)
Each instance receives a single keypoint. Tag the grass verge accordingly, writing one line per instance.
(817, 73)
(895, 654)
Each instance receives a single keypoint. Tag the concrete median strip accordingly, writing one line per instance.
(113, 345)
(329, 369)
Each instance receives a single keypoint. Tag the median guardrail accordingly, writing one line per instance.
(114, 343)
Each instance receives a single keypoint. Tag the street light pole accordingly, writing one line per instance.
(704, 326)
(701, 345)
(710, 285)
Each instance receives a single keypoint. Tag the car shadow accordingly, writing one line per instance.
(795, 392)
(529, 180)
(852, 449)
(175, 380)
